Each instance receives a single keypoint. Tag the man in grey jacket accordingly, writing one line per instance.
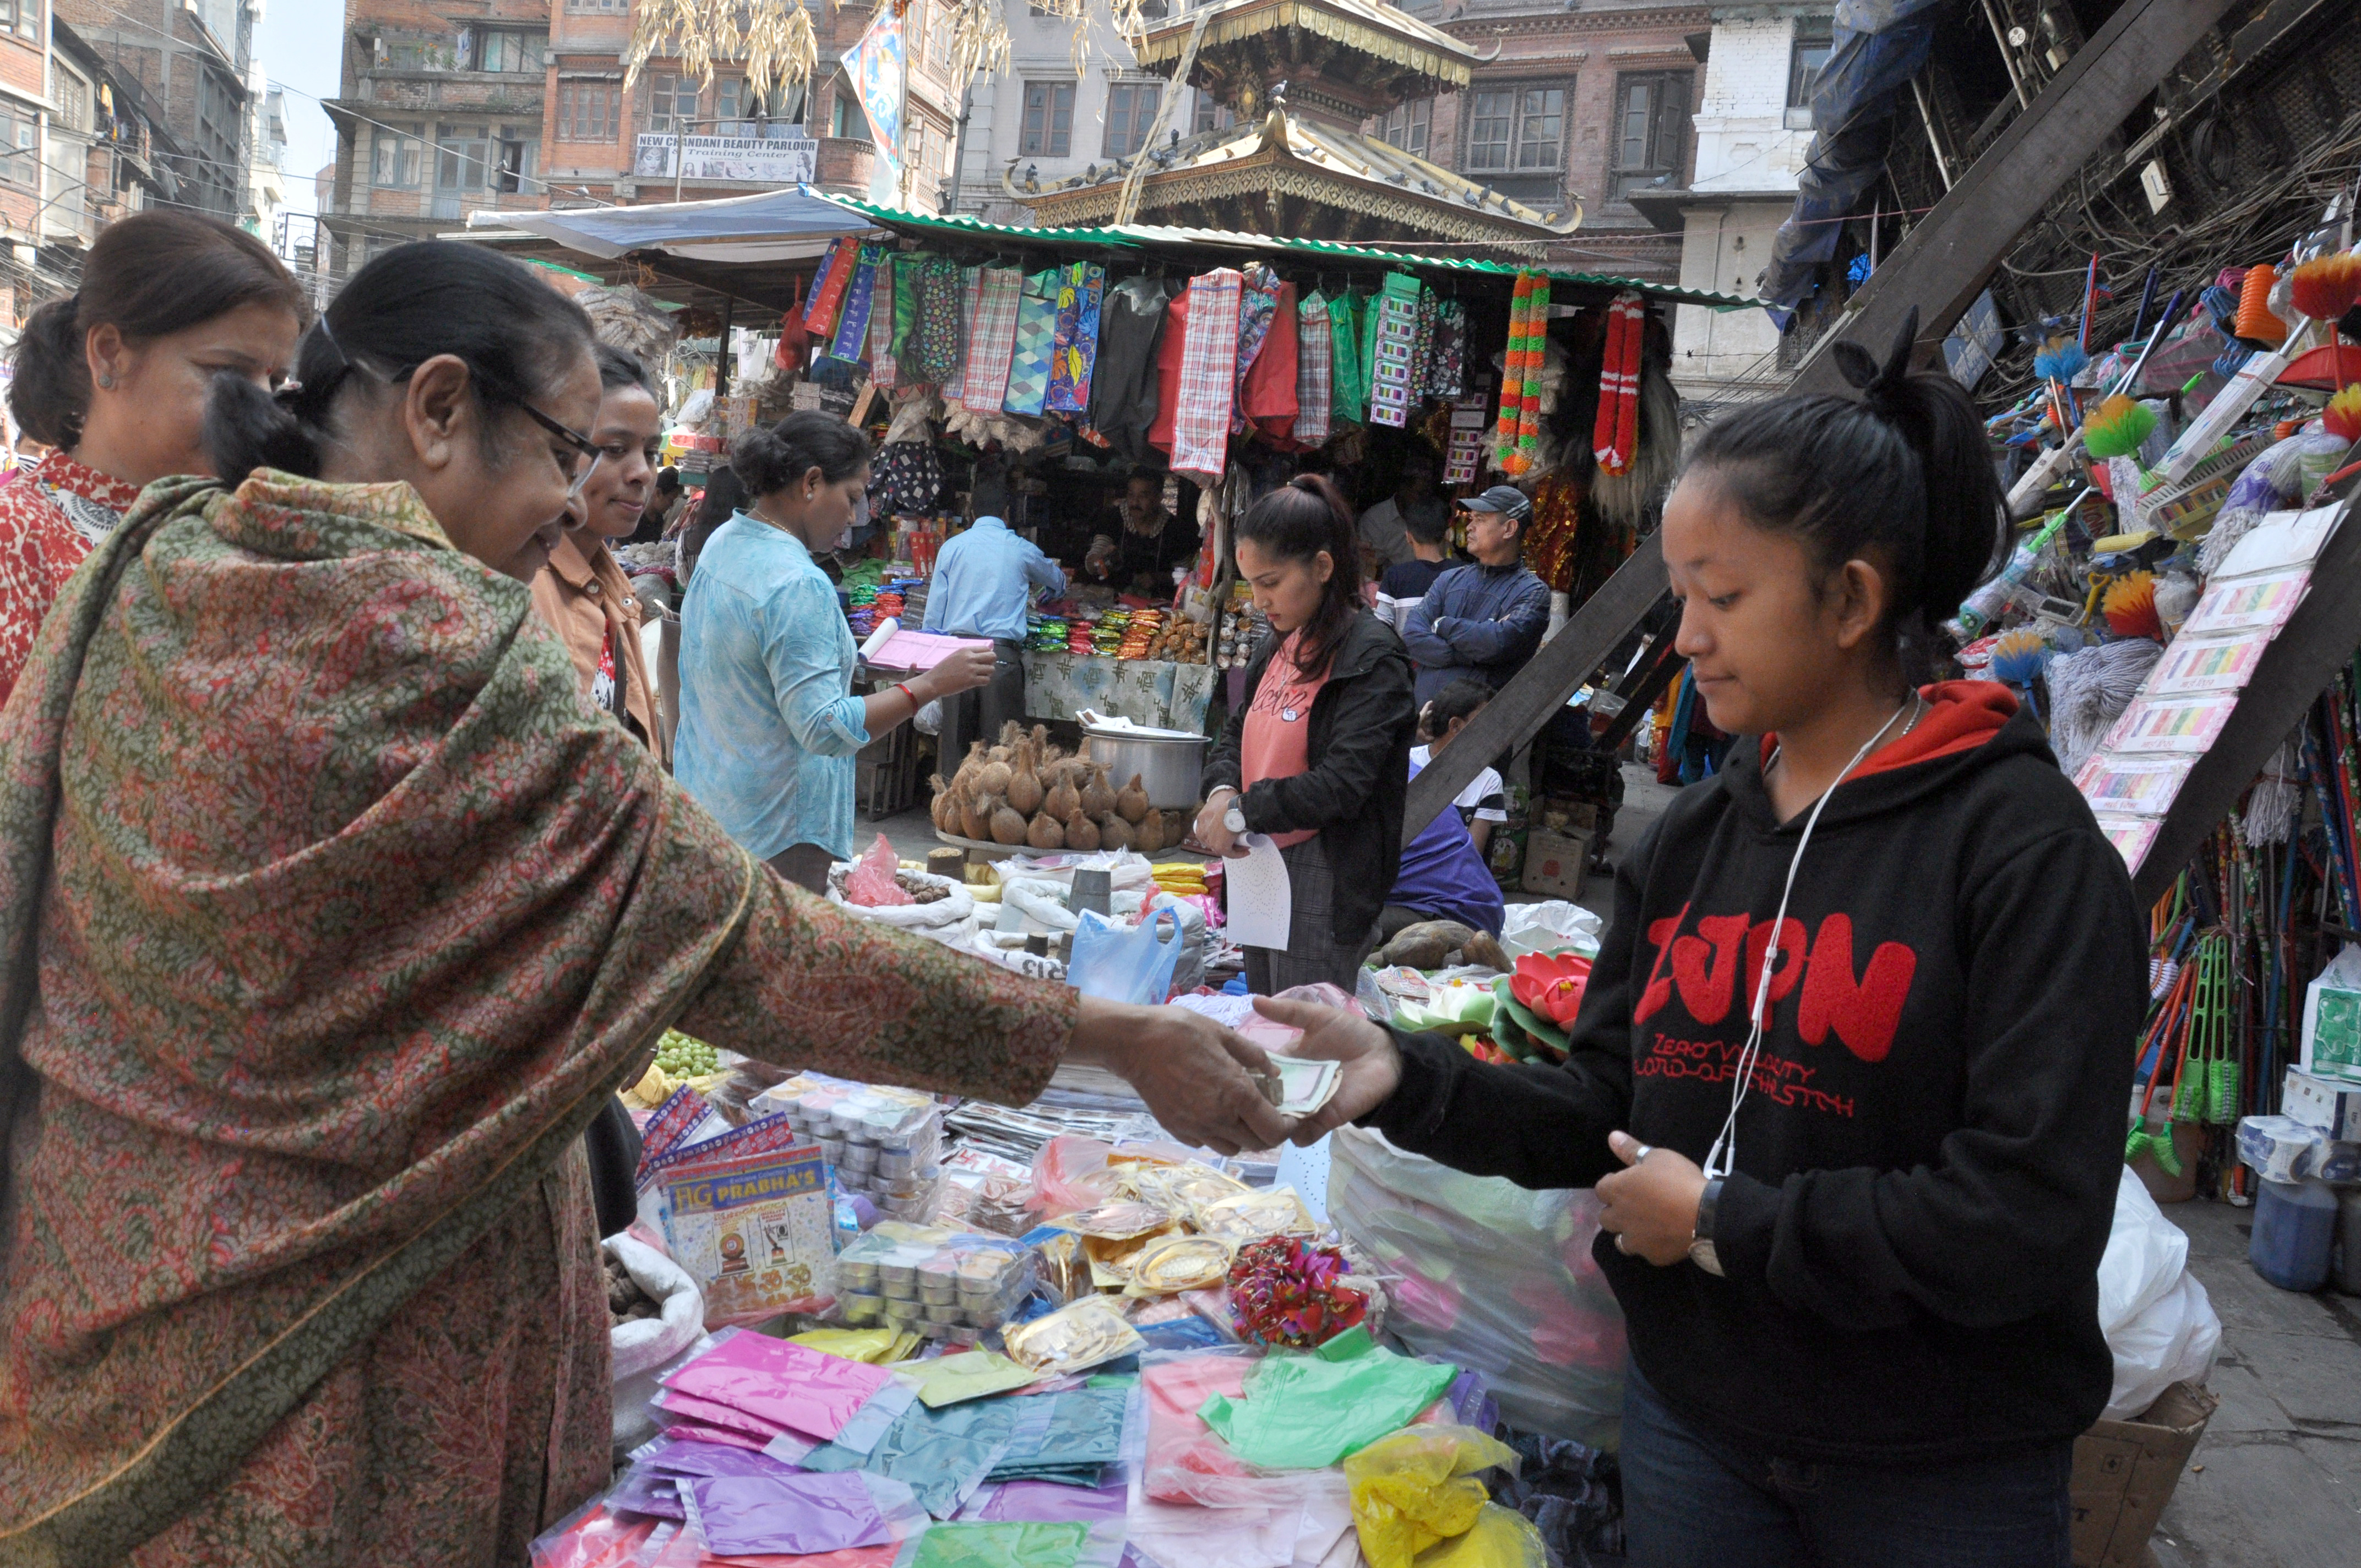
(1483, 621)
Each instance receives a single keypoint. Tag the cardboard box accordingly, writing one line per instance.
(1555, 863)
(2124, 1472)
(2332, 1105)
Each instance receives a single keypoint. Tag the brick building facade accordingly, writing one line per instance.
(191, 59)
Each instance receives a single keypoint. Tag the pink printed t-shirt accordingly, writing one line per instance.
(1276, 743)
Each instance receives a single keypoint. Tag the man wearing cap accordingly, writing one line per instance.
(982, 588)
(1481, 621)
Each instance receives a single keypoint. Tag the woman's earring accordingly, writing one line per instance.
(106, 379)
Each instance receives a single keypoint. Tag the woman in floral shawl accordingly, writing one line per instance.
(332, 914)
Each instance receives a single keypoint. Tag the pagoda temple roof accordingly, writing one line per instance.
(1375, 191)
(1366, 27)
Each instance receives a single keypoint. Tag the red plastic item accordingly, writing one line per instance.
(871, 883)
(1550, 985)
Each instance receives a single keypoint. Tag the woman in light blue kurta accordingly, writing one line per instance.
(769, 726)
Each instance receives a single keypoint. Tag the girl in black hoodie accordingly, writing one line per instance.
(1850, 1072)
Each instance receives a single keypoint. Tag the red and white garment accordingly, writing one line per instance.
(991, 339)
(1615, 436)
(1209, 370)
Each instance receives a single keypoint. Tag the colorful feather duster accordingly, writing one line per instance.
(2343, 417)
(2130, 606)
(2117, 426)
(2325, 288)
(2060, 360)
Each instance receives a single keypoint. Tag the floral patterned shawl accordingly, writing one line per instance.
(332, 916)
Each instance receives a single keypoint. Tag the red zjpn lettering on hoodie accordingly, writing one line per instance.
(1705, 969)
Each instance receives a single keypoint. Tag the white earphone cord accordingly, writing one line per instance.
(1721, 1159)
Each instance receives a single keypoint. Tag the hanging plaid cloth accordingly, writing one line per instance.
(852, 327)
(1079, 288)
(1209, 376)
(1396, 339)
(828, 289)
(1448, 374)
(1037, 334)
(1349, 391)
(882, 368)
(970, 295)
(1616, 434)
(937, 321)
(1313, 379)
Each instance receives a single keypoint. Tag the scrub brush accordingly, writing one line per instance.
(2017, 660)
(2130, 606)
(2325, 288)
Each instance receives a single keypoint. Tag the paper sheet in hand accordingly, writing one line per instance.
(908, 650)
(1262, 899)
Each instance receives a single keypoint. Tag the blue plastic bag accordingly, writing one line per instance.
(1125, 963)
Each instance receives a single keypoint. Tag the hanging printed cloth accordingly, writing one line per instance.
(1258, 299)
(1447, 375)
(1080, 287)
(1349, 390)
(1396, 319)
(1315, 352)
(1037, 334)
(1421, 353)
(1209, 376)
(884, 370)
(852, 327)
(937, 321)
(991, 338)
(1521, 365)
(1266, 398)
(1617, 433)
(828, 289)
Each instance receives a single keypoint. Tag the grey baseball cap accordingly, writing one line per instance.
(1505, 499)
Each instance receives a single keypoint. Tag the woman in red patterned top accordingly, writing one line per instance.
(112, 378)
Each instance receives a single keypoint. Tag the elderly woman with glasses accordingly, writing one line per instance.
(769, 723)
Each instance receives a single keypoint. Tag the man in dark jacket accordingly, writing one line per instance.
(1481, 621)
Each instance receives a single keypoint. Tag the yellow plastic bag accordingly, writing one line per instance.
(1419, 1487)
(874, 1345)
(1500, 1538)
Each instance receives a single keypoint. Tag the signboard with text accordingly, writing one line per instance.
(771, 160)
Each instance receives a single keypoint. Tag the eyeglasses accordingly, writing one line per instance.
(581, 443)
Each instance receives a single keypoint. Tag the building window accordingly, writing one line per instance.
(1516, 128)
(512, 52)
(414, 54)
(21, 16)
(73, 101)
(1814, 35)
(1651, 119)
(732, 98)
(19, 139)
(845, 118)
(586, 111)
(393, 161)
(460, 156)
(513, 158)
(598, 7)
(1130, 116)
(672, 104)
(1407, 124)
(1049, 120)
(1211, 116)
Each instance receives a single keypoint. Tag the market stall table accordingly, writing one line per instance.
(1148, 691)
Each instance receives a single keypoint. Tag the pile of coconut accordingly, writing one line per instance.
(1026, 791)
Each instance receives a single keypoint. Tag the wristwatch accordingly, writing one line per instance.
(1701, 1251)
(1233, 818)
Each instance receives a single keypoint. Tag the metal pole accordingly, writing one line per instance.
(722, 356)
(679, 151)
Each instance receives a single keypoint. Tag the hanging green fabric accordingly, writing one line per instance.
(1348, 387)
(1307, 1411)
(908, 285)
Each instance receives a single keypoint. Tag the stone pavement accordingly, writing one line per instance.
(2276, 1481)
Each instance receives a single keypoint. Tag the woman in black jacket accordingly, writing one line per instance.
(1318, 755)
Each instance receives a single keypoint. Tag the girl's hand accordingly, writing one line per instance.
(1652, 1208)
(1210, 830)
(1371, 1062)
(963, 671)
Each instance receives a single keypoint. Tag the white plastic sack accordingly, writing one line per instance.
(2159, 1323)
(948, 911)
(1038, 900)
(651, 1342)
(1550, 928)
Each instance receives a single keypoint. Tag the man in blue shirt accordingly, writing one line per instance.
(1482, 621)
(983, 586)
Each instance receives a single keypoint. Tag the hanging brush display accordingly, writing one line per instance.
(2160, 1038)
(2214, 1027)
(2325, 288)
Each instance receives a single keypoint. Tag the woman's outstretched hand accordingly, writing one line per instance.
(1372, 1066)
(1193, 1073)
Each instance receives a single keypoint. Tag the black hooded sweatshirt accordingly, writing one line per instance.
(1927, 1160)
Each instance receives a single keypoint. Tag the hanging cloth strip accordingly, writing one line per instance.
(1421, 353)
(1314, 379)
(1076, 350)
(852, 327)
(1209, 376)
(1617, 433)
(1447, 376)
(940, 292)
(1350, 392)
(1258, 299)
(884, 370)
(992, 338)
(1267, 398)
(828, 289)
(1396, 321)
(1037, 334)
(910, 289)
(1520, 369)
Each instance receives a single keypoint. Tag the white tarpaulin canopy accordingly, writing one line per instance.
(771, 226)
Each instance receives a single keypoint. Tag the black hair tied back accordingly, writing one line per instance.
(1903, 477)
(247, 428)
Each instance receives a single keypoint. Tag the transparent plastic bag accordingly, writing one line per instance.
(1500, 1538)
(1070, 1173)
(1126, 963)
(871, 883)
(1420, 1487)
(1307, 1411)
(593, 1536)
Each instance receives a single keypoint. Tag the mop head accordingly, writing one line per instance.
(2060, 360)
(2118, 427)
(2326, 287)
(2090, 690)
(2017, 656)
(2130, 606)
(2342, 419)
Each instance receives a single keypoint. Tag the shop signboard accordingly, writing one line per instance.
(788, 160)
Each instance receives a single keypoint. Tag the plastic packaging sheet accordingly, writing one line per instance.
(1082, 1436)
(674, 1456)
(697, 1431)
(1183, 1461)
(870, 1345)
(1061, 1544)
(714, 1413)
(650, 1493)
(1306, 1530)
(970, 1374)
(942, 1455)
(1305, 1412)
(592, 1536)
(1420, 1487)
(1501, 1538)
(875, 1419)
(786, 1386)
(739, 1515)
(1047, 1501)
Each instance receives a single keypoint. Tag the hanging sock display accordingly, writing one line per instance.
(1075, 353)
(1208, 372)
(1615, 436)
(1036, 335)
(1520, 379)
(1314, 379)
(1395, 341)
(992, 338)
